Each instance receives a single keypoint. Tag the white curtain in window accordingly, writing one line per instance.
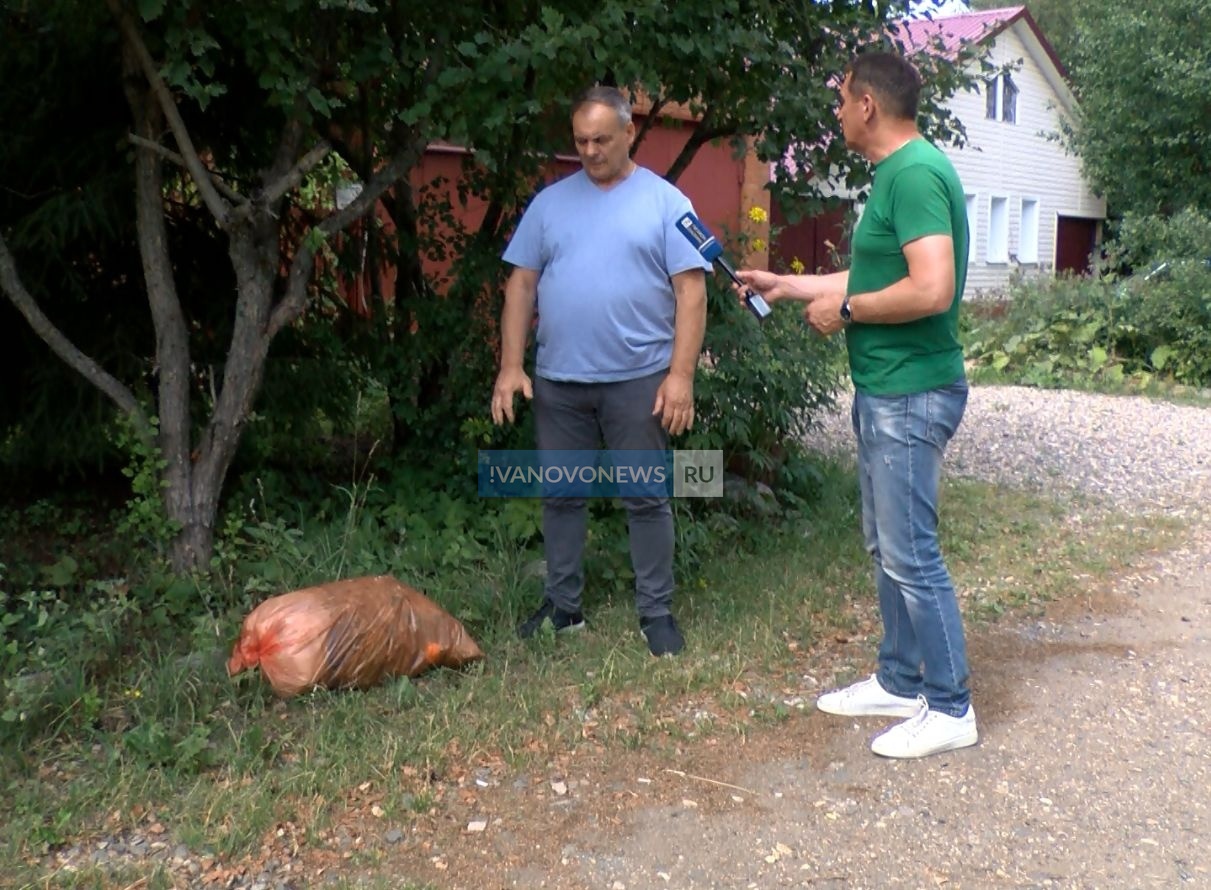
(1009, 99)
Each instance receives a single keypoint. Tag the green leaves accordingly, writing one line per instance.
(1143, 73)
(61, 573)
(150, 9)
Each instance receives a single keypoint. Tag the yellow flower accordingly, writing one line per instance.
(797, 266)
(758, 244)
(757, 214)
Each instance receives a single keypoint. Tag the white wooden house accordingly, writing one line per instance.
(1028, 205)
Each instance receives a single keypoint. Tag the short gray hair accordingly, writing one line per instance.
(611, 97)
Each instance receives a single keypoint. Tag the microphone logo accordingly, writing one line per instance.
(698, 235)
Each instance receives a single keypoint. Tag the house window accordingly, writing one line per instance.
(1028, 232)
(998, 230)
(1001, 99)
(972, 213)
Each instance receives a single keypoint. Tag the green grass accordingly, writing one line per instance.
(222, 764)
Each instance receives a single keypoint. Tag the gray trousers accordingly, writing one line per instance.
(578, 416)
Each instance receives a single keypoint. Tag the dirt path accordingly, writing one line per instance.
(1093, 770)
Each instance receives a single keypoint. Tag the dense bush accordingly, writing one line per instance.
(1144, 241)
(1146, 317)
(761, 384)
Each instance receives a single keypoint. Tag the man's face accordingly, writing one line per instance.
(603, 143)
(851, 114)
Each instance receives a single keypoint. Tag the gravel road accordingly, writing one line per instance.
(1094, 766)
(1124, 451)
(1093, 771)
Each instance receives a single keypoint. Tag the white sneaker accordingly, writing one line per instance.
(929, 732)
(867, 699)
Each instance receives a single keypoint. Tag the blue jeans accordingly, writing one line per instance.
(901, 440)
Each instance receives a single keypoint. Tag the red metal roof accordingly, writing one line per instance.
(955, 29)
(952, 30)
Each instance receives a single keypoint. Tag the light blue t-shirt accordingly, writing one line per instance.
(605, 258)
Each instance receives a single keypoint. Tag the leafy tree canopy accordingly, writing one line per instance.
(1143, 133)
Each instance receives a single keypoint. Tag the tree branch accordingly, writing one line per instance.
(168, 154)
(288, 145)
(703, 133)
(275, 190)
(193, 163)
(10, 283)
(301, 269)
(648, 123)
(407, 152)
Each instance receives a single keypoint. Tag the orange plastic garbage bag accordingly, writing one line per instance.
(349, 634)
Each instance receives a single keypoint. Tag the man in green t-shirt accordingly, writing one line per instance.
(899, 305)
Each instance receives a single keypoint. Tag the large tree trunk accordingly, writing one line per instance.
(172, 334)
(254, 252)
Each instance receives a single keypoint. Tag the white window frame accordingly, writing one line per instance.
(1008, 109)
(972, 199)
(997, 248)
(1028, 230)
(996, 89)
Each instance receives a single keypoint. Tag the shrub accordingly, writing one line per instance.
(1053, 330)
(1166, 322)
(1154, 323)
(1144, 241)
(760, 384)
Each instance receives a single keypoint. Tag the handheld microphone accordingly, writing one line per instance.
(704, 242)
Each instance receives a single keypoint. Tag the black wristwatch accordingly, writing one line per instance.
(846, 315)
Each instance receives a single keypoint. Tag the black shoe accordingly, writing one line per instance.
(560, 620)
(662, 635)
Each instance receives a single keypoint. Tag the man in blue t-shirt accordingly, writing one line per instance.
(621, 300)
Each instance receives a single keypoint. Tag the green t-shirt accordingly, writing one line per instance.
(915, 193)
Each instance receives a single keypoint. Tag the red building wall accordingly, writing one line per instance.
(808, 240)
(713, 180)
